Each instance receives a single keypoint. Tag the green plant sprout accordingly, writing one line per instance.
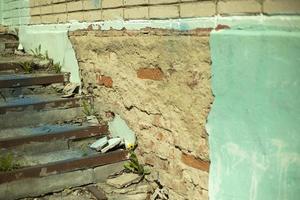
(26, 66)
(7, 162)
(134, 166)
(88, 109)
(57, 67)
(37, 53)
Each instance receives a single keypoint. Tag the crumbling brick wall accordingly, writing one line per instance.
(62, 11)
(159, 82)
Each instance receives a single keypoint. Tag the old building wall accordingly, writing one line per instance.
(62, 11)
(159, 83)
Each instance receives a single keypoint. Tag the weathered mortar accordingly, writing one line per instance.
(159, 82)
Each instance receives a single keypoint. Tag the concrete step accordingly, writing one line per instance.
(34, 111)
(8, 47)
(52, 157)
(43, 135)
(68, 169)
(29, 90)
(12, 63)
(7, 37)
(35, 187)
(22, 80)
(15, 63)
(36, 103)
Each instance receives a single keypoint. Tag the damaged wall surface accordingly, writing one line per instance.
(254, 122)
(159, 82)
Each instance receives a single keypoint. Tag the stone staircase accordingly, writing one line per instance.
(44, 138)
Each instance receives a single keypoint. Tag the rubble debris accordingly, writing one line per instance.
(160, 193)
(124, 180)
(134, 189)
(98, 193)
(99, 144)
(57, 87)
(70, 90)
(111, 144)
(20, 47)
(92, 120)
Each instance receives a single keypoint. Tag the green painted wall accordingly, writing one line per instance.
(1, 12)
(15, 13)
(254, 124)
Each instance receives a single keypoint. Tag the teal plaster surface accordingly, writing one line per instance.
(15, 13)
(254, 124)
(55, 41)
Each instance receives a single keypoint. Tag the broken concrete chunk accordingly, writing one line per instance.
(111, 144)
(160, 193)
(20, 47)
(58, 87)
(92, 120)
(70, 89)
(124, 180)
(99, 144)
(119, 128)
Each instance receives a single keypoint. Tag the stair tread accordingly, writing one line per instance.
(7, 77)
(14, 59)
(12, 133)
(55, 156)
(21, 80)
(66, 165)
(31, 99)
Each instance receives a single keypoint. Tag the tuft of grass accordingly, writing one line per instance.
(88, 109)
(37, 53)
(26, 66)
(133, 165)
(7, 162)
(57, 67)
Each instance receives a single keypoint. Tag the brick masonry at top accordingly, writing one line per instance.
(62, 11)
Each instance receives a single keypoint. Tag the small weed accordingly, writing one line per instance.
(85, 150)
(134, 165)
(3, 97)
(37, 53)
(57, 67)
(26, 66)
(7, 162)
(88, 109)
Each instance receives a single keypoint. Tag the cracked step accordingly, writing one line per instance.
(22, 80)
(48, 133)
(40, 112)
(56, 176)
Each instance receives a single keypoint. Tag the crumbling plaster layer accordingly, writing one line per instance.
(254, 122)
(54, 39)
(166, 105)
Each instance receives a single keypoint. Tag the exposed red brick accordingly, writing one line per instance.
(90, 27)
(221, 26)
(105, 80)
(150, 73)
(195, 162)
